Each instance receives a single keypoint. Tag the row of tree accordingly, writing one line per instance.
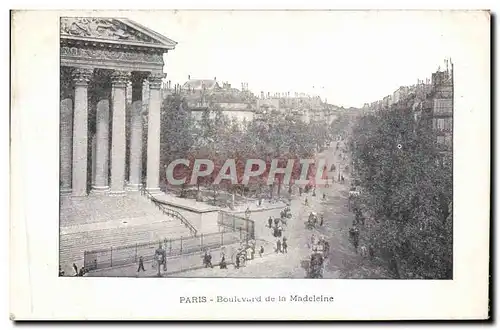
(217, 137)
(407, 193)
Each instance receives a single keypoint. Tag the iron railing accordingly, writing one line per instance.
(129, 254)
(237, 224)
(169, 212)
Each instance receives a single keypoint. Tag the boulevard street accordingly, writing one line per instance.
(342, 261)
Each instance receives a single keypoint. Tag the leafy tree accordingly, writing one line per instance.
(407, 192)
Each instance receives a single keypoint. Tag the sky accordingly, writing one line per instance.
(346, 57)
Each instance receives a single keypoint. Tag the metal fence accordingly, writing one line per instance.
(237, 224)
(125, 255)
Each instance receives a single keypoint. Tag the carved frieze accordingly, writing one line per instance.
(107, 54)
(102, 28)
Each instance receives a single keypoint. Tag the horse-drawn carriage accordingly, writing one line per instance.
(316, 263)
(312, 220)
(286, 213)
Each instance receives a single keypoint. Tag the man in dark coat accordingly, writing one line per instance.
(270, 221)
(141, 265)
(278, 246)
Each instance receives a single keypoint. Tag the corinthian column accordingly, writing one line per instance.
(136, 125)
(102, 147)
(153, 156)
(66, 132)
(81, 79)
(119, 81)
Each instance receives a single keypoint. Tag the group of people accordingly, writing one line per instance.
(281, 247)
(78, 272)
(159, 260)
(313, 220)
(277, 229)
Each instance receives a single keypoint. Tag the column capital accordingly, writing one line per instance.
(81, 77)
(120, 78)
(155, 80)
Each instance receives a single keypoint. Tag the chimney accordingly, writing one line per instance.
(261, 94)
(215, 78)
(189, 77)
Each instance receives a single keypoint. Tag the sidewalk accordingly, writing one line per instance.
(254, 207)
(201, 207)
(179, 264)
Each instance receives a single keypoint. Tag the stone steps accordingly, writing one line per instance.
(93, 209)
(72, 246)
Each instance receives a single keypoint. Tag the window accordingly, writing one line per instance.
(448, 125)
(442, 105)
(448, 141)
(440, 123)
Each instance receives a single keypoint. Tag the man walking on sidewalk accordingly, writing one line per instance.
(141, 265)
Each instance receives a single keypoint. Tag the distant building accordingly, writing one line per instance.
(442, 107)
(431, 102)
(208, 94)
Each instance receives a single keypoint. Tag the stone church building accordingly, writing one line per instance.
(104, 60)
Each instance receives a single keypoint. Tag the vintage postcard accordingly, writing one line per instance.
(249, 164)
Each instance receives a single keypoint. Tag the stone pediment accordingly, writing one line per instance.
(112, 30)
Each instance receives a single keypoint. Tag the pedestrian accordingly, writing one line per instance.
(276, 221)
(260, 201)
(363, 251)
(285, 245)
(371, 253)
(270, 221)
(324, 196)
(321, 220)
(81, 272)
(280, 231)
(313, 241)
(261, 251)
(207, 259)
(306, 202)
(61, 272)
(141, 265)
(355, 239)
(165, 261)
(161, 256)
(237, 261)
(278, 246)
(75, 268)
(222, 263)
(300, 191)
